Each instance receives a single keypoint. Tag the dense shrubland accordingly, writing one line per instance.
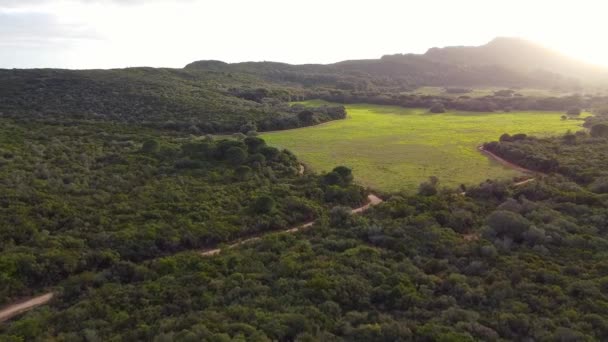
(581, 156)
(490, 103)
(99, 211)
(108, 210)
(210, 101)
(88, 197)
(172, 99)
(501, 263)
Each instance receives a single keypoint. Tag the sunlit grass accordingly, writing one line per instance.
(393, 148)
(487, 91)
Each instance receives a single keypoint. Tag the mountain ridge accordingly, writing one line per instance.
(504, 61)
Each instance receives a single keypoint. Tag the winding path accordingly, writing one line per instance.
(15, 309)
(372, 201)
(506, 162)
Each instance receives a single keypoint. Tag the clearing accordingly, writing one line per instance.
(392, 148)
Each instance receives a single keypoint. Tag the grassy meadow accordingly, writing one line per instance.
(487, 91)
(394, 148)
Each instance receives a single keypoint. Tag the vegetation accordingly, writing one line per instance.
(170, 99)
(569, 155)
(85, 198)
(110, 188)
(414, 144)
(437, 108)
(453, 67)
(501, 263)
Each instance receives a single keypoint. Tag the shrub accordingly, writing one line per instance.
(437, 107)
(242, 172)
(339, 216)
(332, 178)
(346, 174)
(236, 155)
(503, 223)
(429, 188)
(264, 204)
(574, 111)
(150, 146)
(599, 130)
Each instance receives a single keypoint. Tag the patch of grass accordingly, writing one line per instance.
(488, 91)
(392, 148)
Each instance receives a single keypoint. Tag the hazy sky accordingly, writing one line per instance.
(114, 33)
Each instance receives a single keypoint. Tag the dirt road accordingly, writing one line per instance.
(506, 162)
(23, 306)
(372, 200)
(15, 309)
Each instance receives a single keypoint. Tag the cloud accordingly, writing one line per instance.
(30, 29)
(33, 3)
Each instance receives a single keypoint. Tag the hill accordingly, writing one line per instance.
(521, 55)
(135, 227)
(501, 62)
(193, 101)
(217, 97)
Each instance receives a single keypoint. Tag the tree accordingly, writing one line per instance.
(306, 116)
(332, 178)
(437, 107)
(503, 223)
(339, 216)
(573, 111)
(238, 136)
(248, 127)
(254, 143)
(429, 188)
(150, 146)
(599, 130)
(505, 137)
(243, 172)
(504, 92)
(346, 174)
(569, 138)
(236, 155)
(264, 204)
(270, 152)
(519, 136)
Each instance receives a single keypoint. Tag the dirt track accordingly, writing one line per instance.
(15, 309)
(506, 162)
(372, 200)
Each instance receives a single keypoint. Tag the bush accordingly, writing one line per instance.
(236, 155)
(150, 146)
(429, 188)
(573, 111)
(599, 130)
(346, 174)
(506, 137)
(242, 172)
(306, 117)
(503, 223)
(600, 185)
(254, 144)
(437, 107)
(332, 178)
(264, 204)
(339, 216)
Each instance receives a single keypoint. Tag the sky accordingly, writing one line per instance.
(86, 34)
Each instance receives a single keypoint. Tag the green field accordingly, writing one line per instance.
(392, 148)
(487, 91)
